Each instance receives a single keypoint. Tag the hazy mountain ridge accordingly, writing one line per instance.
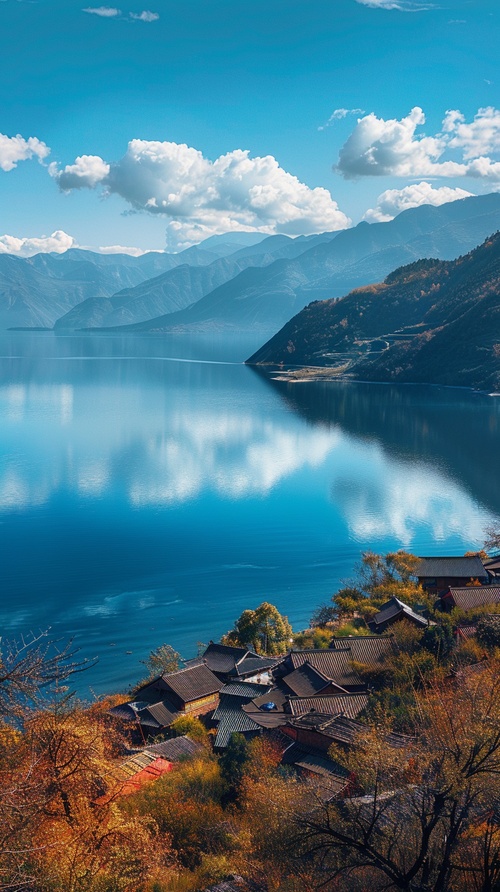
(38, 290)
(432, 321)
(165, 294)
(269, 296)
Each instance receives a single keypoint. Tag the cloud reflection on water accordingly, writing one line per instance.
(160, 452)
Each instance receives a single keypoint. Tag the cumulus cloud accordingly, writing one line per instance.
(400, 5)
(15, 148)
(393, 201)
(86, 172)
(106, 12)
(379, 147)
(481, 136)
(339, 114)
(203, 197)
(145, 16)
(58, 242)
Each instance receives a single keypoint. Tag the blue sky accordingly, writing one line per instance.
(127, 88)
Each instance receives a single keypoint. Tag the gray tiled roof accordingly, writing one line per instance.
(305, 681)
(393, 608)
(471, 596)
(247, 689)
(252, 665)
(158, 715)
(347, 704)
(304, 758)
(176, 748)
(274, 718)
(231, 718)
(334, 664)
(222, 658)
(192, 683)
(369, 649)
(439, 567)
(343, 729)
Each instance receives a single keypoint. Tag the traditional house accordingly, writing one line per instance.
(317, 731)
(191, 691)
(393, 611)
(145, 766)
(470, 597)
(437, 574)
(229, 716)
(492, 566)
(227, 662)
(370, 650)
(336, 666)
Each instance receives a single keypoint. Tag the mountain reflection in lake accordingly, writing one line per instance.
(152, 488)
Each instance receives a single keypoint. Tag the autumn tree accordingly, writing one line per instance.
(264, 629)
(420, 815)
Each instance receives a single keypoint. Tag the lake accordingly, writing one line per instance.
(152, 488)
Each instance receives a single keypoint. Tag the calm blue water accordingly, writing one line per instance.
(151, 488)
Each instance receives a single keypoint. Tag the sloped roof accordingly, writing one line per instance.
(233, 722)
(346, 704)
(176, 748)
(158, 715)
(231, 718)
(223, 658)
(273, 718)
(304, 758)
(192, 683)
(247, 689)
(471, 596)
(305, 681)
(253, 664)
(393, 608)
(343, 729)
(336, 665)
(436, 567)
(369, 649)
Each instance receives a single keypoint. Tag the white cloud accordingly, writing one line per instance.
(480, 137)
(86, 172)
(145, 16)
(379, 147)
(15, 148)
(393, 201)
(203, 197)
(106, 12)
(339, 114)
(122, 249)
(58, 242)
(400, 5)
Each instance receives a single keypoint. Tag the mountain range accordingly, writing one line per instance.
(284, 275)
(431, 321)
(38, 290)
(238, 280)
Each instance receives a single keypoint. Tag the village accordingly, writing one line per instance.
(308, 699)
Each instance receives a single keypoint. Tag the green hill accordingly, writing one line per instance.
(431, 321)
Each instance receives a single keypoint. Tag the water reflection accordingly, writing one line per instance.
(144, 499)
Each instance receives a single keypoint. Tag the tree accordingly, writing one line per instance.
(488, 630)
(492, 541)
(420, 816)
(33, 666)
(163, 659)
(264, 629)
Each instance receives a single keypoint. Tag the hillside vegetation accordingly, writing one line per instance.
(431, 321)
